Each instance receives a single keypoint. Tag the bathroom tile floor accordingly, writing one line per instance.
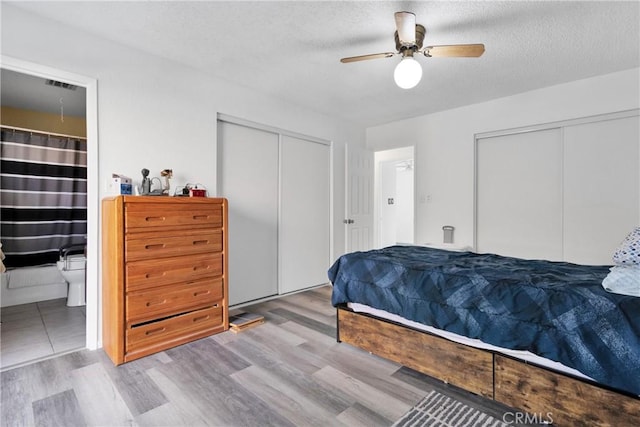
(38, 330)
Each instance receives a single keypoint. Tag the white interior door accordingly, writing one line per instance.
(304, 213)
(359, 203)
(570, 192)
(519, 195)
(248, 178)
(601, 188)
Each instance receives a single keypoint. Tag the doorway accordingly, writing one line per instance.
(394, 196)
(90, 325)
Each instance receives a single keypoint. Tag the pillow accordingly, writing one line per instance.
(623, 279)
(629, 250)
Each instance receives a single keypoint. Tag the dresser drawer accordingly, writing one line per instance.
(165, 271)
(173, 328)
(172, 299)
(141, 217)
(151, 245)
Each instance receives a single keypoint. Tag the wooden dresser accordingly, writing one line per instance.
(164, 273)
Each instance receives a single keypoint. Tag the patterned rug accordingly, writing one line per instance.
(439, 410)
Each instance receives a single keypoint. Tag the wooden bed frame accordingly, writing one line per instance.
(536, 390)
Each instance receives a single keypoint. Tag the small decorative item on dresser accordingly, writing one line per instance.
(145, 187)
(195, 190)
(120, 184)
(167, 174)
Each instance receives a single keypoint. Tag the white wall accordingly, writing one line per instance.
(159, 114)
(444, 153)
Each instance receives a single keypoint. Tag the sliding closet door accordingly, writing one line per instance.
(569, 193)
(519, 195)
(601, 188)
(304, 214)
(248, 177)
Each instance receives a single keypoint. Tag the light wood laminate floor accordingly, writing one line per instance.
(288, 371)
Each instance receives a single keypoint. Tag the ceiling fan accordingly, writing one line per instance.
(409, 38)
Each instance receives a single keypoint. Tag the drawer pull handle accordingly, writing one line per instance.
(195, 294)
(200, 242)
(155, 331)
(150, 275)
(200, 267)
(154, 218)
(215, 305)
(200, 217)
(158, 246)
(200, 319)
(156, 302)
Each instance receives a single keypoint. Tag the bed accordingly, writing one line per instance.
(541, 336)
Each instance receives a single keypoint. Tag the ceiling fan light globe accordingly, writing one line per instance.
(407, 73)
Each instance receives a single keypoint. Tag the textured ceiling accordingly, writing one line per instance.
(291, 50)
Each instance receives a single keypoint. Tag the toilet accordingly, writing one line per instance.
(72, 268)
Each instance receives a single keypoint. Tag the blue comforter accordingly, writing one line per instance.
(556, 310)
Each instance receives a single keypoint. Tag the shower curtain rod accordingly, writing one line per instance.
(43, 133)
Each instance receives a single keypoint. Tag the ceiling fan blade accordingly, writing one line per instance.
(452, 50)
(406, 26)
(366, 57)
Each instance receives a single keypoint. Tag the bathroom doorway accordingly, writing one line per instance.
(37, 323)
(394, 196)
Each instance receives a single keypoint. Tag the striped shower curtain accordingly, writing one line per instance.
(43, 190)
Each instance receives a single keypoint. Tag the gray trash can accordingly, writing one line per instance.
(448, 233)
